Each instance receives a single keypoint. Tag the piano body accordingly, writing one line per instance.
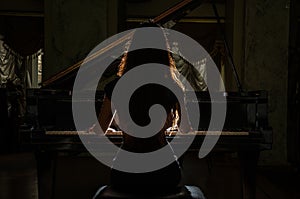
(246, 132)
(50, 128)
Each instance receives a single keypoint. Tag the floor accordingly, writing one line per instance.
(79, 177)
(278, 183)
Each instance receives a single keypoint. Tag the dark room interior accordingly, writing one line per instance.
(253, 44)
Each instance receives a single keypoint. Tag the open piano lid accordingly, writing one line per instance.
(65, 79)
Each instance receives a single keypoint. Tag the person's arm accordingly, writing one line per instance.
(104, 117)
(184, 122)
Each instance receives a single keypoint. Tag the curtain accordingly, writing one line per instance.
(196, 73)
(10, 66)
(16, 74)
(31, 69)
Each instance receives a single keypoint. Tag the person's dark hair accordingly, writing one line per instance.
(148, 95)
(141, 100)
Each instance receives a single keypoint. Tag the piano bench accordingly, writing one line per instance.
(186, 192)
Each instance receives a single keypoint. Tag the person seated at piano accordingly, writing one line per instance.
(165, 179)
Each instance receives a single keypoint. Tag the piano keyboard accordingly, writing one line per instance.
(168, 133)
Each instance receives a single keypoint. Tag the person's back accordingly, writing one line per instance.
(169, 177)
(140, 103)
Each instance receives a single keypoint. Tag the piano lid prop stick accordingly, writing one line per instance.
(112, 119)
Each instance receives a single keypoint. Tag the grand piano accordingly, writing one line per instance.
(50, 129)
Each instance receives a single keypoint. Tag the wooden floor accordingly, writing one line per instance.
(79, 177)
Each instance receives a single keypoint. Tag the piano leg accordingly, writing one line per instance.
(46, 162)
(248, 161)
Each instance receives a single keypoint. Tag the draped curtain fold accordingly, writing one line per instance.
(16, 74)
(196, 73)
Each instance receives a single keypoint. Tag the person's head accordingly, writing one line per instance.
(134, 58)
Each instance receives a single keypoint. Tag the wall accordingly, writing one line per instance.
(266, 65)
(73, 28)
(153, 8)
